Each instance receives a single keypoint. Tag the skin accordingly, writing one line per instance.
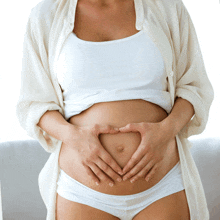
(112, 21)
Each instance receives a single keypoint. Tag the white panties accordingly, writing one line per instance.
(124, 207)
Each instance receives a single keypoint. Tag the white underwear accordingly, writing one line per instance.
(124, 207)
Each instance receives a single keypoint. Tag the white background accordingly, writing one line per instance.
(205, 15)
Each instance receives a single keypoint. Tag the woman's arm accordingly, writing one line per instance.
(191, 80)
(181, 114)
(55, 125)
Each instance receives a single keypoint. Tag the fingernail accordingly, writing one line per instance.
(111, 184)
(97, 183)
(131, 181)
(119, 179)
(147, 179)
(125, 178)
(116, 129)
(120, 173)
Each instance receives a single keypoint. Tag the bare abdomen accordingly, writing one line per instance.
(121, 146)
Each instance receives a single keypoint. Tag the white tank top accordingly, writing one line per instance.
(128, 68)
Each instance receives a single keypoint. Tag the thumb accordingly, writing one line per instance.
(129, 127)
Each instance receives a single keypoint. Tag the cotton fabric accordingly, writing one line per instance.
(125, 207)
(169, 25)
(129, 68)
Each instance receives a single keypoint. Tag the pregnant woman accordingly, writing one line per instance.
(110, 89)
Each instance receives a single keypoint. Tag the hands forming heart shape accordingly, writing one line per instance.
(153, 147)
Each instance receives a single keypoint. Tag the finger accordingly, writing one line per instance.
(92, 175)
(143, 172)
(151, 173)
(107, 169)
(131, 127)
(100, 174)
(139, 166)
(136, 157)
(107, 158)
(98, 129)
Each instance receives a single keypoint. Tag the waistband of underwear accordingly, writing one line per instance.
(68, 183)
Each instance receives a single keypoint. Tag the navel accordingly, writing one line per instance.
(120, 148)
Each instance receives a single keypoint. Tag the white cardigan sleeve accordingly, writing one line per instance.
(192, 82)
(37, 94)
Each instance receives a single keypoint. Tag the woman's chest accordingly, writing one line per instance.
(104, 23)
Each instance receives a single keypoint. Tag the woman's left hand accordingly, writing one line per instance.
(155, 138)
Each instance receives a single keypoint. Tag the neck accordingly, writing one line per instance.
(106, 3)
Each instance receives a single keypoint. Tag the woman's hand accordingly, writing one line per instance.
(154, 143)
(83, 144)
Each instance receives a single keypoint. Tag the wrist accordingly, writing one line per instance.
(169, 126)
(68, 131)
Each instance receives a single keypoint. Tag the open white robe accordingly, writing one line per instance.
(169, 25)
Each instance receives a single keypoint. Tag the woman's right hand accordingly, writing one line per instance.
(88, 150)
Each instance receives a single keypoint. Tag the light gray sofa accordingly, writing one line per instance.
(21, 162)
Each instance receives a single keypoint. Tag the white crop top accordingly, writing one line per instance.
(128, 68)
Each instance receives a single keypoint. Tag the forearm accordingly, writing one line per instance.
(53, 123)
(180, 115)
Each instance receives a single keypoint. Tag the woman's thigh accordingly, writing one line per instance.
(172, 207)
(68, 210)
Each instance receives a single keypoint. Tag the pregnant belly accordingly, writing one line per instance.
(121, 146)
